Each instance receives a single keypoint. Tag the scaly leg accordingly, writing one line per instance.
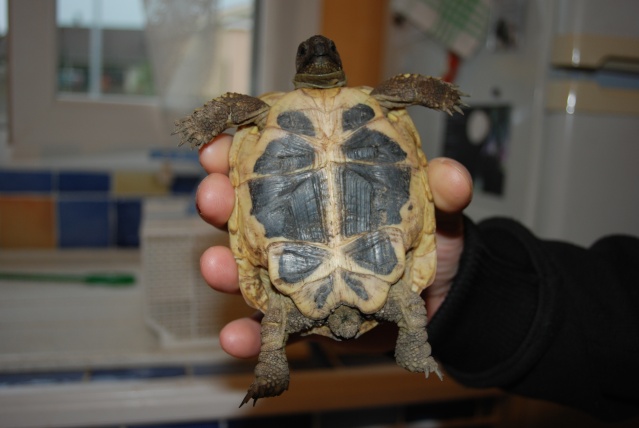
(227, 111)
(412, 350)
(272, 372)
(406, 90)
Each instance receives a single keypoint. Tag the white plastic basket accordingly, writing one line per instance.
(179, 306)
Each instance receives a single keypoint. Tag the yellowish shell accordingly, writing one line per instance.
(412, 239)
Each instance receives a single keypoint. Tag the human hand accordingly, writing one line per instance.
(450, 184)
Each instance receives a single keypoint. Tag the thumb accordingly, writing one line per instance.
(452, 189)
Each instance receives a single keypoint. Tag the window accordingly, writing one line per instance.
(102, 48)
(57, 111)
(52, 120)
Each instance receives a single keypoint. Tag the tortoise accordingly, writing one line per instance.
(333, 224)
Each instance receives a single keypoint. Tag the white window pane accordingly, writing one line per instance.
(102, 48)
(200, 51)
(45, 122)
(191, 57)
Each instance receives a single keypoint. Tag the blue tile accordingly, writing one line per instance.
(128, 219)
(26, 181)
(178, 154)
(84, 222)
(138, 373)
(244, 366)
(84, 182)
(40, 378)
(185, 184)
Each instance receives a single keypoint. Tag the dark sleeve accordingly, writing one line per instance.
(544, 319)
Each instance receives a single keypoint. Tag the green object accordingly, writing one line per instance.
(108, 279)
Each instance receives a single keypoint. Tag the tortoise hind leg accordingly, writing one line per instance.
(272, 372)
(412, 350)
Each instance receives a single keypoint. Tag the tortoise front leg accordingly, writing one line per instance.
(226, 111)
(406, 90)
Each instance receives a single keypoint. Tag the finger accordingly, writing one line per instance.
(219, 269)
(215, 199)
(452, 188)
(451, 184)
(214, 155)
(241, 338)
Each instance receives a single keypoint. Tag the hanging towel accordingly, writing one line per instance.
(461, 25)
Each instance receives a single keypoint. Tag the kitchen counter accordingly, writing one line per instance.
(76, 355)
(53, 325)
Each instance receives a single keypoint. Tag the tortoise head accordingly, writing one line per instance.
(318, 64)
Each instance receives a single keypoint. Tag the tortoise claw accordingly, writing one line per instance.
(247, 398)
(264, 388)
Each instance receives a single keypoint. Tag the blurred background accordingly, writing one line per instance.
(104, 318)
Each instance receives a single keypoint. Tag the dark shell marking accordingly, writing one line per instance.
(299, 261)
(357, 116)
(290, 206)
(284, 155)
(296, 122)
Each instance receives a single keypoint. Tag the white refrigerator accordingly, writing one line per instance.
(552, 135)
